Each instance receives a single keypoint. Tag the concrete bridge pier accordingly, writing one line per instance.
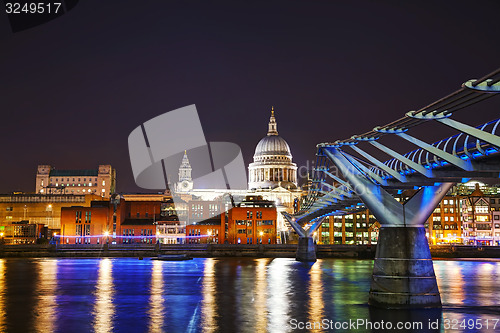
(403, 274)
(306, 250)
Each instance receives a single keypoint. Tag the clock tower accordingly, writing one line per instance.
(185, 183)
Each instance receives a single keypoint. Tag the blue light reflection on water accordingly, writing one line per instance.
(218, 295)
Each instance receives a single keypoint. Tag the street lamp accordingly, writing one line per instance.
(261, 233)
(209, 236)
(106, 234)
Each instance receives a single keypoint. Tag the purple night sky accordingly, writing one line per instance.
(74, 88)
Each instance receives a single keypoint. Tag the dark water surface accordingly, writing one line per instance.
(228, 295)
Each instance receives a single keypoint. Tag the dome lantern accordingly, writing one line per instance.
(273, 127)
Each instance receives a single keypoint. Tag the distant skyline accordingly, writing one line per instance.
(73, 89)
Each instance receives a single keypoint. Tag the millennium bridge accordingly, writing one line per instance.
(403, 274)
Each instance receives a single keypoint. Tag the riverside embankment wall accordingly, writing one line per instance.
(227, 250)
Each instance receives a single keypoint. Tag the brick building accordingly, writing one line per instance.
(253, 221)
(206, 231)
(133, 221)
(86, 225)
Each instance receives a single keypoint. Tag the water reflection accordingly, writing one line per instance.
(316, 304)
(2, 296)
(157, 308)
(46, 306)
(221, 295)
(404, 320)
(452, 293)
(277, 295)
(260, 294)
(209, 306)
(103, 308)
(468, 292)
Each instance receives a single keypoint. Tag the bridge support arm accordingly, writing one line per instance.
(403, 274)
(298, 229)
(455, 160)
(477, 133)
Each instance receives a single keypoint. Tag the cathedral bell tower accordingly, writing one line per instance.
(185, 183)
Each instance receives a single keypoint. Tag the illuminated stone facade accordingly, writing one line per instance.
(272, 162)
(100, 181)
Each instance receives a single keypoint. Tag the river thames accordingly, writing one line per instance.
(230, 295)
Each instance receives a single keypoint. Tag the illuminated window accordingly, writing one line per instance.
(482, 218)
(481, 209)
(103, 183)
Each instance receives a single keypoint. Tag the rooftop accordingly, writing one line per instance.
(71, 173)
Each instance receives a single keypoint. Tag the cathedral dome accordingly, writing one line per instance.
(272, 162)
(272, 145)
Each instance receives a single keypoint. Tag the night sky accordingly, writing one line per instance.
(74, 88)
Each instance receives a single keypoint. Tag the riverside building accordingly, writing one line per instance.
(100, 181)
